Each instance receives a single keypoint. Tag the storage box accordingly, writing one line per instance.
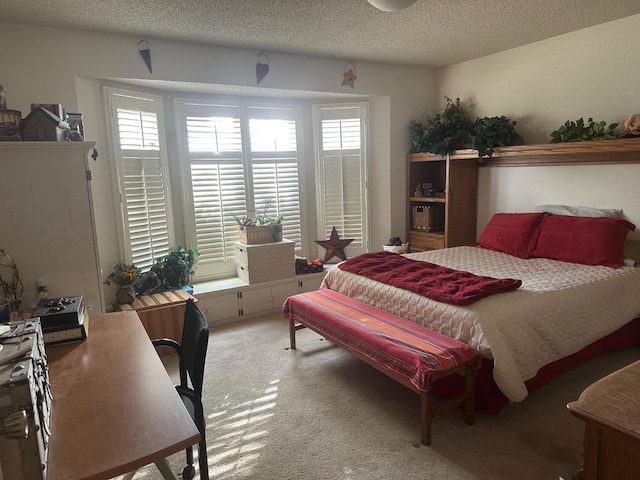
(264, 263)
(266, 273)
(255, 255)
(260, 235)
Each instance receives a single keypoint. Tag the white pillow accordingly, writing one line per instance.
(580, 211)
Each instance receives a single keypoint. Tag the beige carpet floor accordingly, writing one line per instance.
(319, 413)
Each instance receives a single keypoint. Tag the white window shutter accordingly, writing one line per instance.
(144, 187)
(342, 169)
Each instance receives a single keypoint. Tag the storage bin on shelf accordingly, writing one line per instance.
(265, 262)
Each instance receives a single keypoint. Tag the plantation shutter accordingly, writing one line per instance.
(144, 188)
(241, 159)
(218, 188)
(274, 167)
(341, 167)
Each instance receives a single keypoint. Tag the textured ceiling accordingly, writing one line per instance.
(431, 33)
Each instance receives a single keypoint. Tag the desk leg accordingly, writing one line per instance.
(165, 470)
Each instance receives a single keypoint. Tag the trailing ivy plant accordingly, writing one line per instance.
(579, 131)
(443, 133)
(488, 133)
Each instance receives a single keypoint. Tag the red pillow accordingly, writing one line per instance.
(586, 240)
(513, 233)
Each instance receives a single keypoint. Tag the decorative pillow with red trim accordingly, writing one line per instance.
(512, 233)
(585, 240)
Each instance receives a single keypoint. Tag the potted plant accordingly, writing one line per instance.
(487, 133)
(124, 276)
(261, 227)
(176, 268)
(443, 133)
(579, 131)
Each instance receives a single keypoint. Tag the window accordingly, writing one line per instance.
(139, 151)
(342, 173)
(238, 159)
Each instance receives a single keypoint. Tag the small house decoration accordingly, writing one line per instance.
(42, 125)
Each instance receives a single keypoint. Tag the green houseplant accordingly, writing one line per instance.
(176, 268)
(443, 133)
(488, 133)
(581, 131)
(453, 129)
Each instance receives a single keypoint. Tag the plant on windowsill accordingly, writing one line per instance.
(261, 226)
(123, 276)
(176, 268)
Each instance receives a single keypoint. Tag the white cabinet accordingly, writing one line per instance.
(48, 226)
(232, 299)
(267, 298)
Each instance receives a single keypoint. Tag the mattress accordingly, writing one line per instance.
(560, 308)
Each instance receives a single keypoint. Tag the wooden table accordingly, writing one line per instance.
(161, 314)
(114, 406)
(610, 409)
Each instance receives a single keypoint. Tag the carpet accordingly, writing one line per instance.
(318, 413)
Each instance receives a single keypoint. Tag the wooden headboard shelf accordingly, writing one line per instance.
(618, 151)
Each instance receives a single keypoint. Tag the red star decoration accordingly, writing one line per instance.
(334, 246)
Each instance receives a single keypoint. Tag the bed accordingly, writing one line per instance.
(577, 299)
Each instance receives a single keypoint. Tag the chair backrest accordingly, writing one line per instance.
(195, 339)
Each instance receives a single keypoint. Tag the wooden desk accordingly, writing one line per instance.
(114, 407)
(161, 314)
(610, 409)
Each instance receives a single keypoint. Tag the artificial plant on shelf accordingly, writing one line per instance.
(263, 218)
(581, 131)
(488, 133)
(443, 133)
(454, 129)
(13, 289)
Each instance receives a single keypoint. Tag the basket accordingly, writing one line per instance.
(428, 217)
(258, 235)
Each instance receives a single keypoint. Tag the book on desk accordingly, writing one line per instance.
(63, 320)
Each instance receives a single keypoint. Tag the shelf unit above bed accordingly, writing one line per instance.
(443, 195)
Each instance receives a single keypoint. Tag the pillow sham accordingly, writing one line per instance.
(580, 211)
(512, 233)
(585, 240)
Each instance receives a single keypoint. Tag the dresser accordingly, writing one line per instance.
(610, 409)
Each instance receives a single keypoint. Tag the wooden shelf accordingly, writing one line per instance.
(617, 151)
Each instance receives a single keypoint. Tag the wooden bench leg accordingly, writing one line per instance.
(292, 333)
(426, 414)
(470, 407)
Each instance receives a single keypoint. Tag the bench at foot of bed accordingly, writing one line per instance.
(405, 351)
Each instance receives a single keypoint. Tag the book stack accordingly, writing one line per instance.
(63, 319)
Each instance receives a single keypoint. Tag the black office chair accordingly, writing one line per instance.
(192, 352)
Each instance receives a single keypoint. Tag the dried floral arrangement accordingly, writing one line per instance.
(13, 289)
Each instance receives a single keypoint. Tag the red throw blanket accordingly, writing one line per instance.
(428, 279)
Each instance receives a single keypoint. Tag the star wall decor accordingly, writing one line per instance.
(349, 76)
(335, 246)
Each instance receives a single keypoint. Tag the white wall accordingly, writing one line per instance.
(590, 73)
(45, 65)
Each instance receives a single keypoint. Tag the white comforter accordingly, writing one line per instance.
(559, 309)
